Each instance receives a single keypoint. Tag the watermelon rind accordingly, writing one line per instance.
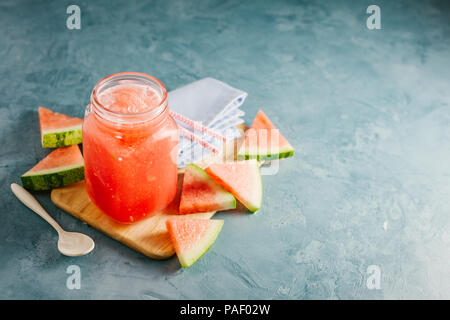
(255, 204)
(62, 137)
(227, 200)
(265, 155)
(189, 257)
(53, 178)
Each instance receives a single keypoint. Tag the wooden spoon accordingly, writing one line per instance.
(69, 243)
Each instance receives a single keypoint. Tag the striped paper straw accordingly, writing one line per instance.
(197, 126)
(195, 138)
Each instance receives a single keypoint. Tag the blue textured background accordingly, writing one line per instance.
(367, 112)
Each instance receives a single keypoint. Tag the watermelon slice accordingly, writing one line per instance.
(242, 179)
(264, 142)
(58, 130)
(191, 238)
(61, 167)
(200, 193)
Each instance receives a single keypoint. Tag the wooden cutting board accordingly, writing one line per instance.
(148, 236)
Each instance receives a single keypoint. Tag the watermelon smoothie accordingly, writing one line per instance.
(130, 147)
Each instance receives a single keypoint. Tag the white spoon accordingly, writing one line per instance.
(69, 243)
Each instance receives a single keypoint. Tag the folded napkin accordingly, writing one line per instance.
(212, 103)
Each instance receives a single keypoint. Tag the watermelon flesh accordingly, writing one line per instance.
(242, 179)
(263, 141)
(63, 166)
(200, 193)
(59, 130)
(191, 238)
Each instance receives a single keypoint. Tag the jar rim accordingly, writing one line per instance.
(148, 114)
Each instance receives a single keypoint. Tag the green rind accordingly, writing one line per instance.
(229, 203)
(189, 258)
(41, 182)
(62, 138)
(261, 156)
(255, 207)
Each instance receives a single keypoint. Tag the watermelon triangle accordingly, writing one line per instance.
(242, 179)
(61, 167)
(263, 141)
(200, 193)
(59, 130)
(191, 238)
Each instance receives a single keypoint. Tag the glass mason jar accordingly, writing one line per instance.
(130, 147)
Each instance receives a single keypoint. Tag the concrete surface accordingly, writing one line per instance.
(366, 110)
